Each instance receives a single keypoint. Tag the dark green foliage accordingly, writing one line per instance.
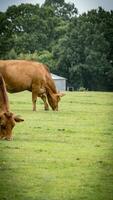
(84, 54)
(79, 48)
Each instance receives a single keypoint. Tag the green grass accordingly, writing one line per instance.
(65, 155)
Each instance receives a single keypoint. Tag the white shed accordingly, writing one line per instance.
(60, 82)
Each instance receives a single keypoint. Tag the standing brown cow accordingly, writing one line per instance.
(7, 118)
(20, 75)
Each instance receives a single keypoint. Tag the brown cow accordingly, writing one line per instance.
(20, 75)
(7, 118)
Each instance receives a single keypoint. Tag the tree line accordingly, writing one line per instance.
(78, 47)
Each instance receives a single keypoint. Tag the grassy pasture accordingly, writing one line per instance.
(65, 155)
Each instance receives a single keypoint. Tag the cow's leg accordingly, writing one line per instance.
(34, 98)
(46, 106)
(39, 91)
(1, 136)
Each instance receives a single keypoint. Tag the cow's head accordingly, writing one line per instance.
(54, 99)
(7, 123)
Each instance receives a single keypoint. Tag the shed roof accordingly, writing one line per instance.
(54, 76)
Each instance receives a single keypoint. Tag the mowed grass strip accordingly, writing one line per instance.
(64, 155)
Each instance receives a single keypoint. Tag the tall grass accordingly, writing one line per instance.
(64, 155)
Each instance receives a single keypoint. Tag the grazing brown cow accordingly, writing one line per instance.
(7, 118)
(20, 75)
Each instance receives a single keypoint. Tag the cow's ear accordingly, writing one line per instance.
(60, 94)
(17, 118)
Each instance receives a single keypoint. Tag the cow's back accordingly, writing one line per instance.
(19, 75)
